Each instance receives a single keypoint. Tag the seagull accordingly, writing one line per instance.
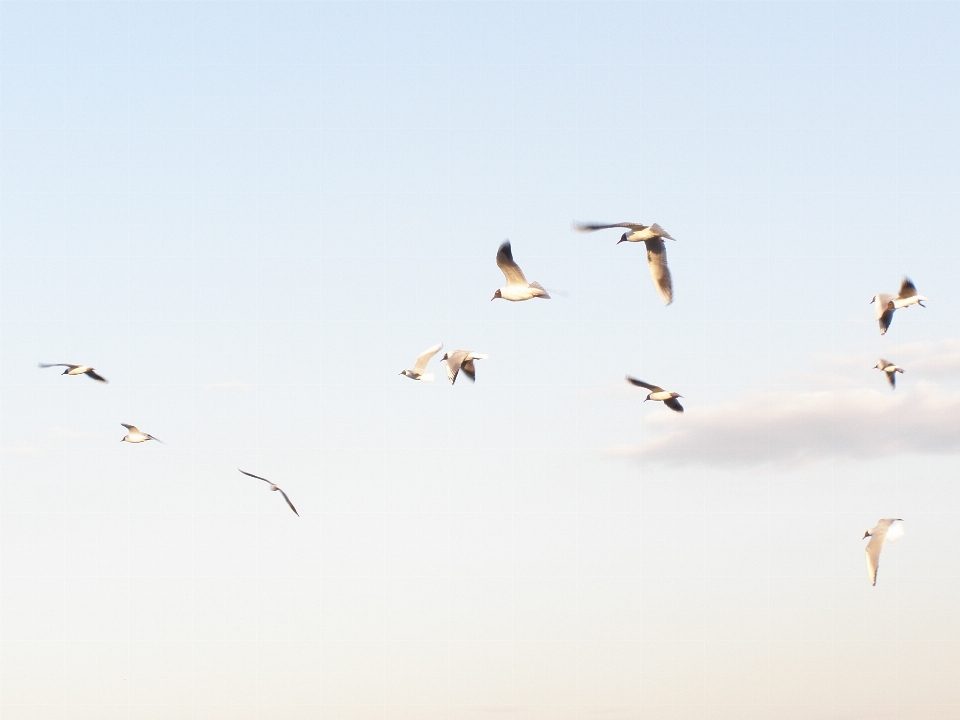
(462, 360)
(652, 236)
(76, 370)
(890, 369)
(517, 288)
(421, 365)
(886, 304)
(273, 487)
(135, 436)
(887, 530)
(658, 393)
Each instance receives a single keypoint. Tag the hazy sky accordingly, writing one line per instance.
(250, 217)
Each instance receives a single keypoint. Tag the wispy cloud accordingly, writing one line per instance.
(836, 419)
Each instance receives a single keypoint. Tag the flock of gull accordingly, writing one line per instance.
(517, 289)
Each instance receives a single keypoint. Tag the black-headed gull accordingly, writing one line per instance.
(273, 487)
(135, 436)
(886, 531)
(652, 236)
(890, 370)
(462, 360)
(517, 287)
(886, 304)
(658, 393)
(76, 370)
(421, 364)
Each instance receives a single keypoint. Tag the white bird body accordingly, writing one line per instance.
(886, 304)
(462, 360)
(890, 370)
(885, 531)
(417, 373)
(76, 370)
(652, 236)
(136, 436)
(517, 288)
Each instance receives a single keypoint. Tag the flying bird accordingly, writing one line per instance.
(886, 304)
(517, 288)
(462, 360)
(658, 393)
(76, 370)
(135, 436)
(652, 236)
(421, 364)
(273, 487)
(891, 371)
(886, 531)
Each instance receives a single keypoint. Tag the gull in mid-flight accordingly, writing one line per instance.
(658, 393)
(135, 436)
(886, 304)
(273, 487)
(517, 288)
(462, 360)
(421, 364)
(890, 370)
(886, 531)
(76, 370)
(652, 236)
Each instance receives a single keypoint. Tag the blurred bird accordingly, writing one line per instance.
(421, 364)
(517, 288)
(891, 371)
(886, 304)
(273, 487)
(652, 236)
(76, 370)
(462, 360)
(135, 436)
(886, 531)
(658, 393)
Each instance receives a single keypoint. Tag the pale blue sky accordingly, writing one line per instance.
(250, 217)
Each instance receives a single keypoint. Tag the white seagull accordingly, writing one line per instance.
(517, 288)
(658, 393)
(273, 487)
(652, 236)
(76, 370)
(886, 531)
(462, 360)
(886, 304)
(135, 436)
(891, 371)
(421, 364)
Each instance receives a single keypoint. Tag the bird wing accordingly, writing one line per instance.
(659, 231)
(92, 373)
(886, 317)
(66, 365)
(641, 383)
(907, 288)
(424, 358)
(511, 271)
(892, 377)
(469, 369)
(131, 428)
(157, 439)
(657, 260)
(255, 476)
(895, 530)
(589, 227)
(673, 404)
(873, 555)
(288, 502)
(882, 302)
(454, 360)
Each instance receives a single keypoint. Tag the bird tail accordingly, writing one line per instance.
(538, 286)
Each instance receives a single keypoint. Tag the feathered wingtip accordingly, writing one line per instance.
(538, 286)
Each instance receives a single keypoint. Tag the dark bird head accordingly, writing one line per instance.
(647, 397)
(65, 371)
(496, 295)
(445, 356)
(623, 238)
(866, 535)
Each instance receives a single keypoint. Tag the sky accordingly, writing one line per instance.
(251, 216)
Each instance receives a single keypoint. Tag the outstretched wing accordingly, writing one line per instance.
(66, 365)
(469, 370)
(641, 383)
(636, 227)
(886, 317)
(92, 373)
(157, 439)
(873, 556)
(892, 377)
(660, 232)
(424, 358)
(907, 288)
(288, 502)
(511, 271)
(896, 530)
(657, 260)
(673, 404)
(453, 364)
(131, 428)
(255, 476)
